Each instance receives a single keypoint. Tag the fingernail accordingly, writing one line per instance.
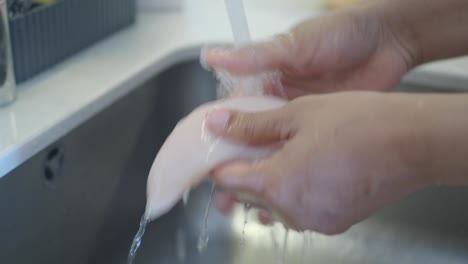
(218, 120)
(216, 55)
(203, 62)
(236, 168)
(265, 218)
(211, 57)
(219, 51)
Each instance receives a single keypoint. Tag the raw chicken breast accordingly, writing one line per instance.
(190, 153)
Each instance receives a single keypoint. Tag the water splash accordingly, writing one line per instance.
(203, 238)
(137, 240)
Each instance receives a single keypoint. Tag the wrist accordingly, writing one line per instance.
(408, 148)
(444, 138)
(427, 29)
(398, 29)
(427, 136)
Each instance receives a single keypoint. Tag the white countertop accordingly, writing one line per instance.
(58, 100)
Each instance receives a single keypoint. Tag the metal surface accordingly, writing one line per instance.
(90, 210)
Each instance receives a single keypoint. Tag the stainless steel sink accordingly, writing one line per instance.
(80, 201)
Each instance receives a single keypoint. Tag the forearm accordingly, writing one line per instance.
(429, 29)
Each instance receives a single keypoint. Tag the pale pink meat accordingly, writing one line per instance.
(190, 153)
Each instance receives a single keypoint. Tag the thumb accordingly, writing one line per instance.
(252, 128)
(252, 59)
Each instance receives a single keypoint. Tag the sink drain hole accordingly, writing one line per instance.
(53, 164)
(48, 174)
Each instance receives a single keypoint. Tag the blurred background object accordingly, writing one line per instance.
(7, 79)
(46, 32)
(339, 3)
(20, 7)
(160, 4)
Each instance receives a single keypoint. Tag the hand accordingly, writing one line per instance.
(351, 49)
(344, 156)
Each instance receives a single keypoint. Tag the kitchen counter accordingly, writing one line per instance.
(58, 100)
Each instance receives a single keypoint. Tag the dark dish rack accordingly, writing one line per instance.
(45, 36)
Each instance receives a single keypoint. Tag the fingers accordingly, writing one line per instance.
(254, 179)
(224, 202)
(253, 59)
(242, 177)
(252, 128)
(265, 218)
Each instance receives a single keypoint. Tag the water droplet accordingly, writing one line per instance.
(186, 197)
(284, 252)
(304, 248)
(181, 245)
(247, 208)
(275, 243)
(308, 237)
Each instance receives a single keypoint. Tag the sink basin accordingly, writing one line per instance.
(80, 201)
